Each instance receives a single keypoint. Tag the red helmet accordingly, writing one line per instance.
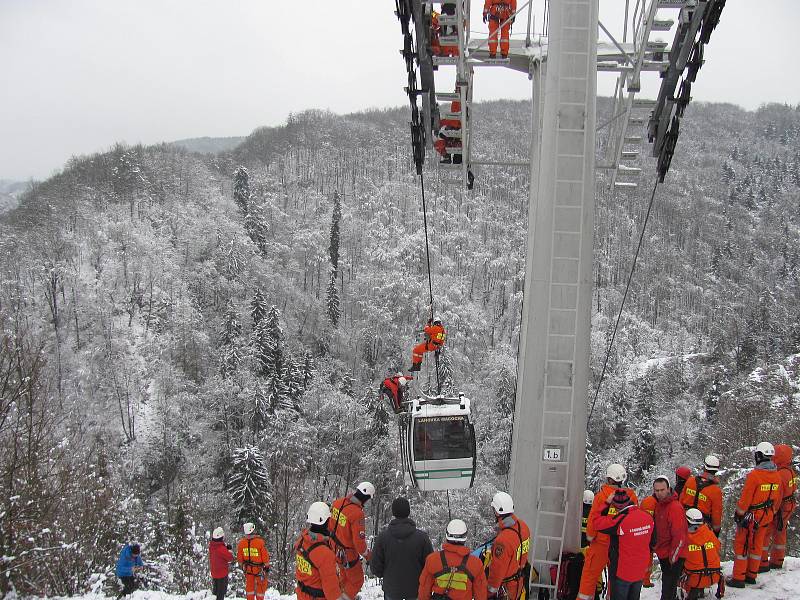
(683, 472)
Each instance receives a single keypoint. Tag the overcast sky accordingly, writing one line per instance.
(79, 75)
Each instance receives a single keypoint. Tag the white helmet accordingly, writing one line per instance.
(366, 489)
(588, 496)
(219, 533)
(711, 463)
(248, 528)
(456, 531)
(318, 513)
(766, 449)
(616, 472)
(502, 503)
(694, 517)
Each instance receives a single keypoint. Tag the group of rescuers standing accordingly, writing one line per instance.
(680, 523)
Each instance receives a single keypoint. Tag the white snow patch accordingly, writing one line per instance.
(643, 368)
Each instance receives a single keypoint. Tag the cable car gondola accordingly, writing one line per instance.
(440, 443)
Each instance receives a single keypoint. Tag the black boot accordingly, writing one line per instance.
(750, 580)
(735, 583)
(415, 367)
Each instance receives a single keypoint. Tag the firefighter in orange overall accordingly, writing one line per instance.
(436, 31)
(453, 572)
(346, 527)
(754, 512)
(434, 340)
(597, 554)
(648, 505)
(252, 556)
(775, 541)
(499, 13)
(315, 560)
(703, 493)
(445, 141)
(701, 569)
(509, 568)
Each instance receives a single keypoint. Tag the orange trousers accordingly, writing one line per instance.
(504, 33)
(774, 546)
(747, 547)
(593, 565)
(254, 586)
(419, 350)
(352, 579)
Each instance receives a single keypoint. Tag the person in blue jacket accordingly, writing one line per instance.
(129, 560)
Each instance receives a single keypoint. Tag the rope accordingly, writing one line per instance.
(624, 297)
(430, 275)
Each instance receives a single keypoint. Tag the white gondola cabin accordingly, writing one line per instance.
(440, 443)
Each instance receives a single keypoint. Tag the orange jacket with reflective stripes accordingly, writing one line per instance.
(763, 485)
(703, 553)
(598, 506)
(648, 505)
(252, 554)
(315, 567)
(458, 584)
(509, 550)
(783, 460)
(703, 493)
(435, 334)
(347, 527)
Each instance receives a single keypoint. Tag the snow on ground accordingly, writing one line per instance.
(775, 585)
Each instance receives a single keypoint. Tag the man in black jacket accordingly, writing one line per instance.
(399, 553)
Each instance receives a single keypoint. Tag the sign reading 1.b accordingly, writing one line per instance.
(552, 453)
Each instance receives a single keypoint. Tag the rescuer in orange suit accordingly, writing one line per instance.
(346, 527)
(597, 554)
(434, 340)
(498, 12)
(393, 388)
(648, 505)
(703, 493)
(701, 569)
(761, 495)
(436, 31)
(508, 568)
(315, 560)
(252, 556)
(453, 572)
(775, 540)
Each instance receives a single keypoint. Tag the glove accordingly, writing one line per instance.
(485, 17)
(228, 546)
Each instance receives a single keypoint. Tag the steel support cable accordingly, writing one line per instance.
(624, 297)
(430, 275)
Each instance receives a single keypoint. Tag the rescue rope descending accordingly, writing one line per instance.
(430, 275)
(624, 296)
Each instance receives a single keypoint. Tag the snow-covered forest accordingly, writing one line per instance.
(191, 340)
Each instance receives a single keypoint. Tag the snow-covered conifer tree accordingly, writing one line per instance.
(241, 189)
(248, 486)
(332, 293)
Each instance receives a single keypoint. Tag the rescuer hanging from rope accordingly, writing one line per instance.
(434, 340)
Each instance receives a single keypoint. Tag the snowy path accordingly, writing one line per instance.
(780, 585)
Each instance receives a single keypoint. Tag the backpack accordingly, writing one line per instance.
(569, 577)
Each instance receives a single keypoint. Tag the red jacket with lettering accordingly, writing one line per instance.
(598, 506)
(671, 529)
(631, 532)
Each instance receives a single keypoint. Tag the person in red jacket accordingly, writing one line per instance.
(346, 527)
(252, 555)
(509, 565)
(393, 388)
(434, 340)
(500, 15)
(219, 558)
(453, 572)
(703, 493)
(775, 539)
(315, 560)
(597, 553)
(648, 505)
(631, 531)
(755, 510)
(671, 533)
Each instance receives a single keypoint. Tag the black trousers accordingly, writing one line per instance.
(219, 587)
(129, 585)
(670, 575)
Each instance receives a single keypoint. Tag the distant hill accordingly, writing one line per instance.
(209, 145)
(10, 191)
